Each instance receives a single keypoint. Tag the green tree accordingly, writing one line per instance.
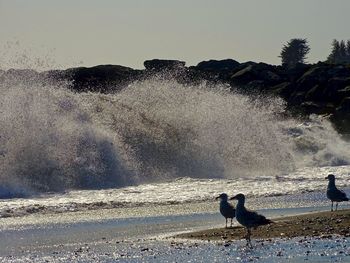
(334, 57)
(348, 51)
(294, 52)
(340, 52)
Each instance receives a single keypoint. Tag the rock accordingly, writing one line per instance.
(325, 77)
(163, 64)
(226, 65)
(264, 74)
(315, 75)
(319, 88)
(334, 85)
(102, 78)
(344, 92)
(283, 89)
(243, 76)
(344, 106)
(316, 93)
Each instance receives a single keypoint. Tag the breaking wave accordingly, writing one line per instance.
(52, 139)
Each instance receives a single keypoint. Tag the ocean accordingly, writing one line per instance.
(157, 150)
(153, 140)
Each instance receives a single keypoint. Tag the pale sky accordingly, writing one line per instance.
(126, 32)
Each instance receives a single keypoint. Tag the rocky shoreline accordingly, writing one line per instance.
(322, 88)
(320, 224)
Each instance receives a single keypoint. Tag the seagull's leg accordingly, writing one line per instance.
(336, 206)
(249, 243)
(226, 222)
(231, 221)
(332, 207)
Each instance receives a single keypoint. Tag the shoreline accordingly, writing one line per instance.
(105, 237)
(318, 224)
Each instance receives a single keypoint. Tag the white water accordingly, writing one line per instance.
(147, 137)
(178, 191)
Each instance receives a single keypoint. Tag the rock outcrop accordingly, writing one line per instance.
(308, 89)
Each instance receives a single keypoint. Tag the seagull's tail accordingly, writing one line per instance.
(268, 221)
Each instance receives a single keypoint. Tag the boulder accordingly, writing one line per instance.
(163, 64)
(244, 76)
(334, 85)
(315, 75)
(267, 74)
(311, 107)
(344, 106)
(283, 89)
(316, 93)
(341, 117)
(102, 78)
(225, 65)
(344, 92)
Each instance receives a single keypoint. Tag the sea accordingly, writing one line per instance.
(156, 148)
(155, 142)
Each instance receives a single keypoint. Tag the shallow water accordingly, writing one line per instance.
(143, 234)
(167, 193)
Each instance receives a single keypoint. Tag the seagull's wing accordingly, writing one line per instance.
(232, 210)
(227, 210)
(341, 194)
(253, 218)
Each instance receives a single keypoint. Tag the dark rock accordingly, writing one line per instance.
(102, 78)
(344, 92)
(283, 89)
(331, 92)
(267, 75)
(319, 88)
(344, 106)
(316, 93)
(341, 117)
(315, 75)
(316, 108)
(243, 76)
(163, 64)
(339, 95)
(293, 74)
(226, 65)
(338, 83)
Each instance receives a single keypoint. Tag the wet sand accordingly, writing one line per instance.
(82, 237)
(320, 224)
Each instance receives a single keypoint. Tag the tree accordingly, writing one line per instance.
(340, 52)
(348, 51)
(294, 52)
(334, 57)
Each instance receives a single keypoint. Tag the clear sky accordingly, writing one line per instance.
(127, 32)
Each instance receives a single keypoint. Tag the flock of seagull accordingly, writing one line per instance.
(251, 219)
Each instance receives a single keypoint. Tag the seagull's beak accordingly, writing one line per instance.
(326, 177)
(233, 198)
(216, 198)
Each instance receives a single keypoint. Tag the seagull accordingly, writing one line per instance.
(248, 218)
(333, 193)
(226, 209)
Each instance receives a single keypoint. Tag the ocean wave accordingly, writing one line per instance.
(53, 140)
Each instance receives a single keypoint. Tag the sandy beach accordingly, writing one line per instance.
(320, 224)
